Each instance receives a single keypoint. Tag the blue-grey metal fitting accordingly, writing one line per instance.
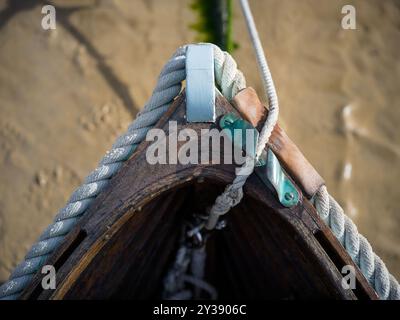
(267, 165)
(200, 88)
(272, 174)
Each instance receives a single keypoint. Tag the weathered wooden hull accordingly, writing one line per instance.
(128, 239)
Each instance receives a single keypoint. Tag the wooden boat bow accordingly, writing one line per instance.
(124, 244)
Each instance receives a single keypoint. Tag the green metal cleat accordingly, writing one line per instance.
(267, 165)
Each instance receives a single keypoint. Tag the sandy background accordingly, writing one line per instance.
(66, 94)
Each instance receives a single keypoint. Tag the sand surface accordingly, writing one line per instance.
(65, 95)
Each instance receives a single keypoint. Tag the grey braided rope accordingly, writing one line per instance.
(359, 249)
(169, 85)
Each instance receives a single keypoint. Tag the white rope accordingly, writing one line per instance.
(233, 193)
(359, 249)
(228, 78)
(266, 77)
